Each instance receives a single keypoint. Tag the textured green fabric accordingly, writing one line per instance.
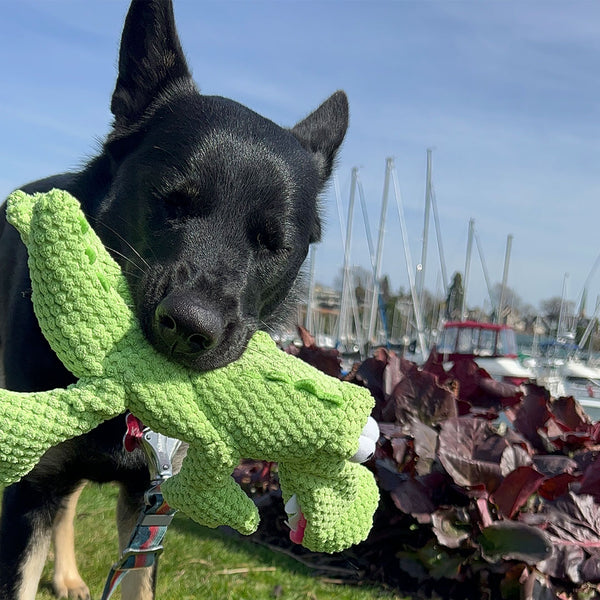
(266, 405)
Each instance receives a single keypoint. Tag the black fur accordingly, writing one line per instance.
(209, 208)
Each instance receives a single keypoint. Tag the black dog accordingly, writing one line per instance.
(210, 209)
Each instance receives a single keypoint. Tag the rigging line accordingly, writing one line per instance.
(363, 206)
(338, 202)
(407, 256)
(486, 275)
(368, 289)
(438, 235)
(588, 279)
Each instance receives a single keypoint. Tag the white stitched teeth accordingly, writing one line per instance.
(366, 442)
(292, 508)
(371, 429)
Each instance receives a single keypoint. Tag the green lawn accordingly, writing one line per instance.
(199, 562)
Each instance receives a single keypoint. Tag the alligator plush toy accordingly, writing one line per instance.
(266, 405)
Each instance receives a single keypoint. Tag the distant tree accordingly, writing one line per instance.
(550, 310)
(454, 299)
(360, 293)
(529, 313)
(512, 301)
(361, 278)
(385, 288)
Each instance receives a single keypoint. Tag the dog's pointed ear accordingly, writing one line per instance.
(323, 131)
(150, 59)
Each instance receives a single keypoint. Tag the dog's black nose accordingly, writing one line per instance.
(187, 327)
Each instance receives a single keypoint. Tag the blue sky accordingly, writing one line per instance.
(506, 93)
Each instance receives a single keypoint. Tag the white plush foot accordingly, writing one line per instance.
(366, 442)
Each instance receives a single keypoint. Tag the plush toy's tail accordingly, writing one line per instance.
(19, 208)
(80, 296)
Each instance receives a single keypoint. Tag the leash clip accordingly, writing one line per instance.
(159, 448)
(160, 451)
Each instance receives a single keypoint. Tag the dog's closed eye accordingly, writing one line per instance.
(183, 204)
(177, 205)
(265, 237)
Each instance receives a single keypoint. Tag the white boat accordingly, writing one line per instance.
(582, 381)
(493, 347)
(559, 368)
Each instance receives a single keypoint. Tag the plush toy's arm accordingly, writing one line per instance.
(34, 422)
(337, 501)
(206, 492)
(79, 294)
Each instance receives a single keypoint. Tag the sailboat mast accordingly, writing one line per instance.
(486, 275)
(561, 327)
(377, 267)
(438, 233)
(309, 321)
(421, 267)
(344, 333)
(590, 325)
(369, 288)
(509, 240)
(463, 310)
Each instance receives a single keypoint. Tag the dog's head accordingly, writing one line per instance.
(211, 207)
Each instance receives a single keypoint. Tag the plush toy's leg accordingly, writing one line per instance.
(34, 422)
(217, 498)
(337, 501)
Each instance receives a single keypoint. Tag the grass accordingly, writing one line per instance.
(199, 562)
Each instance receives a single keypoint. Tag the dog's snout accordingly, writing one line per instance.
(186, 326)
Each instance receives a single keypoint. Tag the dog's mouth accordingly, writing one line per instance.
(198, 350)
(197, 326)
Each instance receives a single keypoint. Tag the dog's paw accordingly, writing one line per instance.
(72, 588)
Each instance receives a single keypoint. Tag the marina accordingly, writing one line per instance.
(363, 314)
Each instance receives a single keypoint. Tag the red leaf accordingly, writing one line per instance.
(325, 359)
(412, 497)
(515, 490)
(419, 396)
(569, 412)
(590, 483)
(399, 449)
(551, 465)
(532, 414)
(479, 388)
(460, 440)
(307, 338)
(556, 486)
(370, 374)
(435, 365)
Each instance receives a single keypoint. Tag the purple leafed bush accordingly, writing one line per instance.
(488, 490)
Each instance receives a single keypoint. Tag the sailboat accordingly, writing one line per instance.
(559, 366)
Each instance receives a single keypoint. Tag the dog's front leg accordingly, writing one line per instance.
(26, 526)
(67, 583)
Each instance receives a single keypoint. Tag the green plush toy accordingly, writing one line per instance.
(266, 405)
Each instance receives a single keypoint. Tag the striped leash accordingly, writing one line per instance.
(145, 544)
